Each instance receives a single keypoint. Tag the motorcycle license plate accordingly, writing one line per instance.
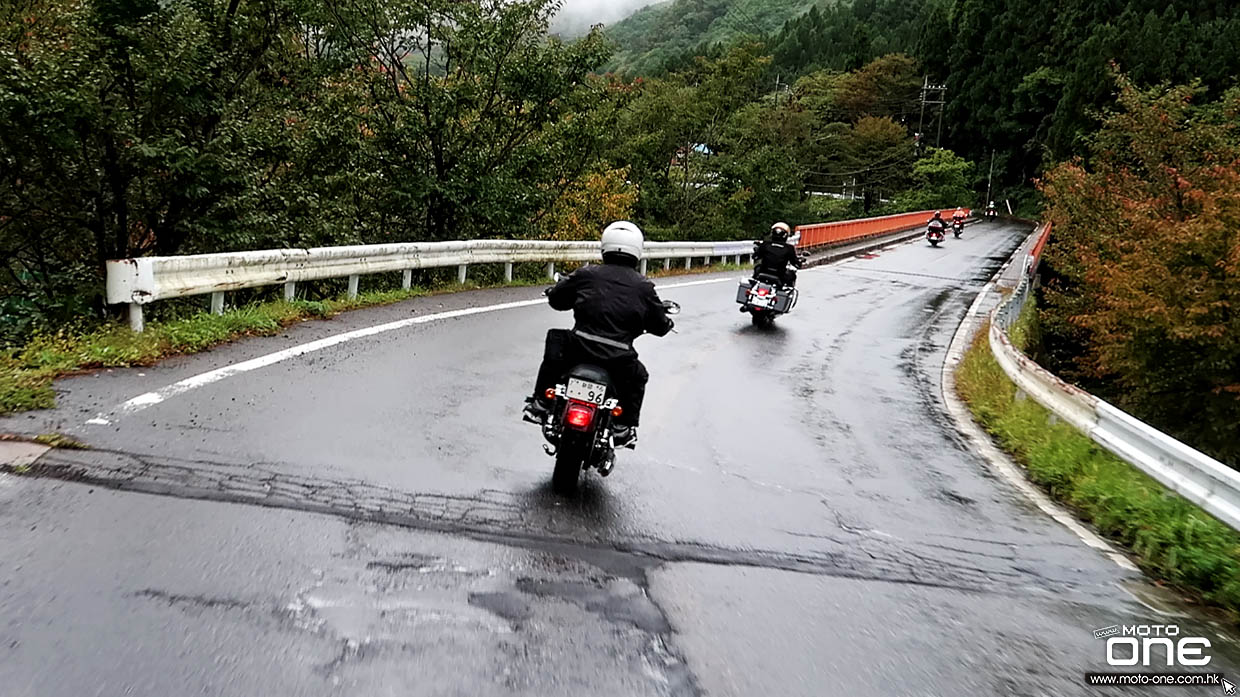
(586, 391)
(761, 300)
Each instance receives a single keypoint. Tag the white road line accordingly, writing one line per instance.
(984, 446)
(150, 399)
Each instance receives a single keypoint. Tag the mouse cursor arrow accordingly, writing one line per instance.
(1228, 687)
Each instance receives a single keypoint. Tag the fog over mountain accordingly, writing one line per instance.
(577, 16)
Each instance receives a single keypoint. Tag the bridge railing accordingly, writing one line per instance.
(824, 234)
(1201, 479)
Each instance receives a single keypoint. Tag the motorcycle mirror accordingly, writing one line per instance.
(557, 277)
(673, 308)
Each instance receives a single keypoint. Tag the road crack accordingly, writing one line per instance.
(495, 517)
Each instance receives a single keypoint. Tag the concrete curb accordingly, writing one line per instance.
(20, 453)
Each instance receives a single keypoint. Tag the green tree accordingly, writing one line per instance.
(474, 109)
(879, 152)
(131, 127)
(940, 180)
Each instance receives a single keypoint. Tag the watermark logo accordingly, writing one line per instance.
(1148, 647)
(1105, 632)
(1153, 644)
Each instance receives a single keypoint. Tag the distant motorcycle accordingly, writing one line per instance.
(957, 228)
(765, 297)
(934, 235)
(578, 428)
(992, 214)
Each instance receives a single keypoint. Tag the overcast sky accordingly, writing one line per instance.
(579, 15)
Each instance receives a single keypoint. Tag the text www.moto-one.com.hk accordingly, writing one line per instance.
(1154, 679)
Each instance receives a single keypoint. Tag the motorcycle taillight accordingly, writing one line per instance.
(579, 415)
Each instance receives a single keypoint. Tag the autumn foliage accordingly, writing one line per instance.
(1143, 304)
(588, 204)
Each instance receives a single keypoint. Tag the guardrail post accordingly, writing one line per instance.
(135, 317)
(217, 302)
(644, 266)
(461, 272)
(406, 279)
(508, 272)
(688, 263)
(290, 291)
(551, 269)
(353, 287)
(738, 260)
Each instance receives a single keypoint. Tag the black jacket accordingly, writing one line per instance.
(937, 223)
(773, 257)
(613, 302)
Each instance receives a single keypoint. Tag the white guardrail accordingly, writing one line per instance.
(136, 282)
(1201, 479)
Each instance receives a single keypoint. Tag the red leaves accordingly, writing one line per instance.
(1147, 254)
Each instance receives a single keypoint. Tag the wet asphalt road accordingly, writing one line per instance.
(800, 518)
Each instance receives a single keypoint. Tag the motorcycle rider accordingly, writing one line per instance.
(612, 305)
(937, 223)
(958, 216)
(774, 255)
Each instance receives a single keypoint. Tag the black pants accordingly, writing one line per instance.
(628, 376)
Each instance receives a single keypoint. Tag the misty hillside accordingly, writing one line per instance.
(658, 34)
(577, 16)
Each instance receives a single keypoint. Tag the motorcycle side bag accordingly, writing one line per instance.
(784, 300)
(742, 291)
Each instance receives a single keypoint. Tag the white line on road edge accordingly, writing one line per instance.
(150, 399)
(982, 443)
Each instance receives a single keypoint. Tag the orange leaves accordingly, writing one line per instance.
(1146, 258)
(589, 203)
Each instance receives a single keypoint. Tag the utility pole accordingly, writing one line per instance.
(940, 99)
(782, 87)
(991, 177)
(921, 121)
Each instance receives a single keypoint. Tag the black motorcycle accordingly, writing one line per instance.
(578, 428)
(934, 235)
(957, 228)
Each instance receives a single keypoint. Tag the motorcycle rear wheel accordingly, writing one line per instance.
(762, 319)
(567, 474)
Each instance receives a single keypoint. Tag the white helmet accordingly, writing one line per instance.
(781, 230)
(623, 237)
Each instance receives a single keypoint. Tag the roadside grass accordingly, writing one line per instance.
(27, 372)
(1171, 539)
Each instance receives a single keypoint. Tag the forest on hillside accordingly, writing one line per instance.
(1118, 120)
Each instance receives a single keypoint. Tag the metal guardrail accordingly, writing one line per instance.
(142, 280)
(1201, 479)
